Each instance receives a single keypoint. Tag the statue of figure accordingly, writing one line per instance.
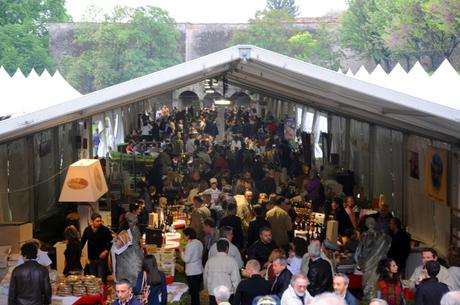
(372, 247)
(128, 263)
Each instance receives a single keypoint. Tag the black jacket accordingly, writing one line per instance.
(430, 292)
(234, 222)
(254, 227)
(98, 241)
(261, 251)
(320, 276)
(30, 285)
(72, 256)
(400, 249)
(250, 288)
(281, 283)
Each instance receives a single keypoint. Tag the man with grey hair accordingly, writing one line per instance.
(378, 302)
(451, 298)
(328, 298)
(340, 283)
(319, 272)
(306, 258)
(222, 295)
(283, 276)
(297, 293)
(373, 246)
(226, 232)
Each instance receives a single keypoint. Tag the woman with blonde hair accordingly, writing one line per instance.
(276, 253)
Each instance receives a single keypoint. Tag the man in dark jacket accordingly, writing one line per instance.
(341, 282)
(30, 283)
(400, 244)
(256, 224)
(253, 286)
(99, 240)
(430, 290)
(319, 271)
(283, 276)
(261, 249)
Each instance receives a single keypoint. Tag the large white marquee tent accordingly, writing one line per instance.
(372, 128)
(441, 87)
(21, 95)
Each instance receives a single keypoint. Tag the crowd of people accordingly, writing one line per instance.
(240, 243)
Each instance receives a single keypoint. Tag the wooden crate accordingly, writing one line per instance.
(15, 235)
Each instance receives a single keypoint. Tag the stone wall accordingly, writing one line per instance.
(196, 39)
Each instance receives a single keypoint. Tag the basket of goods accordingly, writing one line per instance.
(64, 290)
(78, 289)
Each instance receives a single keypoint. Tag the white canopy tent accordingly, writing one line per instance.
(21, 95)
(372, 127)
(440, 87)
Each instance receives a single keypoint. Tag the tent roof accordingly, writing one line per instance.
(268, 73)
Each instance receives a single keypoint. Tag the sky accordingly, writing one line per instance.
(207, 11)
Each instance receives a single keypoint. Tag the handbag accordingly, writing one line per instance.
(143, 296)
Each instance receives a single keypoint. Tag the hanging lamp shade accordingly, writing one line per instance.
(84, 182)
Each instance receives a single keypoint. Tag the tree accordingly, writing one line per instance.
(23, 33)
(362, 27)
(326, 52)
(270, 29)
(130, 43)
(320, 49)
(424, 28)
(293, 10)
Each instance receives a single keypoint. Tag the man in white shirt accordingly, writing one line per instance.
(297, 293)
(221, 269)
(214, 191)
(429, 254)
(226, 233)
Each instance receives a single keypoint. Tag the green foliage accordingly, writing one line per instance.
(23, 34)
(402, 29)
(362, 28)
(130, 43)
(270, 29)
(303, 45)
(275, 30)
(293, 10)
(325, 52)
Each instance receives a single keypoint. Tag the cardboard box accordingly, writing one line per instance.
(332, 231)
(15, 235)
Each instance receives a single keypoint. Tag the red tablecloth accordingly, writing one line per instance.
(355, 281)
(90, 300)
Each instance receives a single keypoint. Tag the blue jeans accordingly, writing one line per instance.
(98, 268)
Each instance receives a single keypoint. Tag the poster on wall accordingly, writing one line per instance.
(414, 170)
(436, 174)
(289, 129)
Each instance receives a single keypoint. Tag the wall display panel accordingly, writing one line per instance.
(427, 220)
(359, 154)
(45, 168)
(338, 143)
(387, 166)
(5, 212)
(20, 179)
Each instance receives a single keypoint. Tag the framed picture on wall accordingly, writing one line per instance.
(436, 174)
(414, 171)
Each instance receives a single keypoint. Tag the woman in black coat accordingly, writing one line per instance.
(72, 252)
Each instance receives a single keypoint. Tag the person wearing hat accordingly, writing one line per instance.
(199, 214)
(214, 191)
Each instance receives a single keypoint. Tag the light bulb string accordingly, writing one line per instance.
(35, 185)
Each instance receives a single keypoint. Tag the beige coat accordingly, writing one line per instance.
(281, 224)
(197, 218)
